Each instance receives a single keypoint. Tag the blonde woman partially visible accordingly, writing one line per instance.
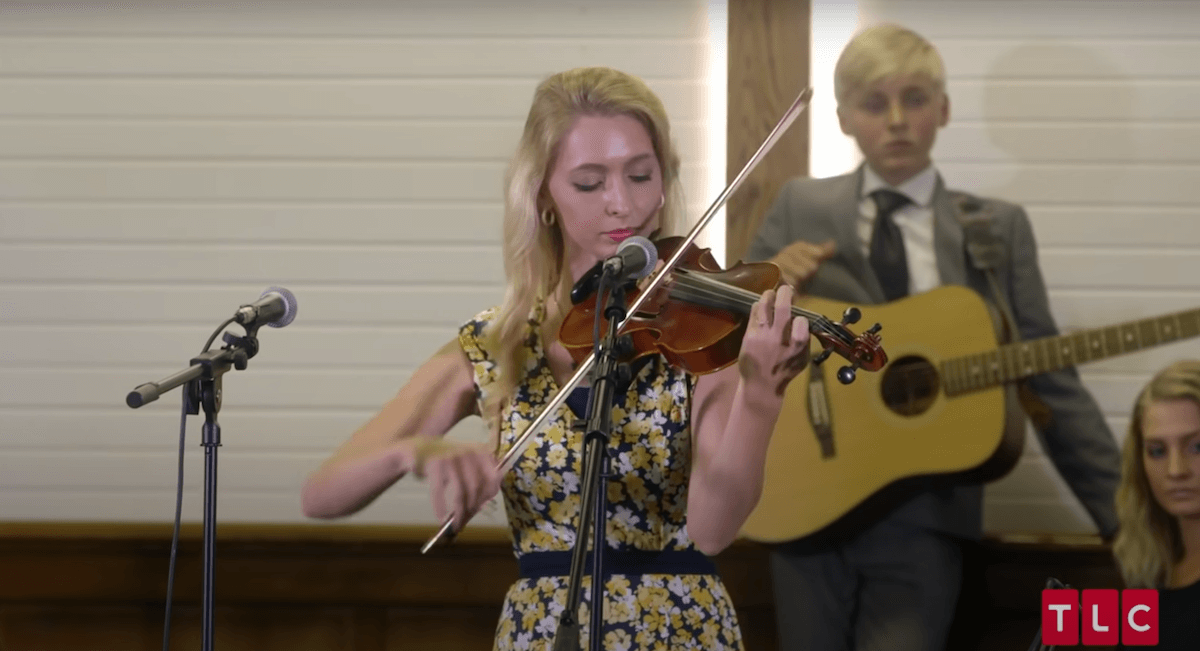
(1158, 501)
(595, 166)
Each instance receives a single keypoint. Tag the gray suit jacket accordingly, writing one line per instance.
(1078, 440)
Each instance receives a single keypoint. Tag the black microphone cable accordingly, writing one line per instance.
(186, 394)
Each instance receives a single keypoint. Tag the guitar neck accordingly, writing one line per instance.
(1027, 358)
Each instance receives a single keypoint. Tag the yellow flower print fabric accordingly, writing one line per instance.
(650, 450)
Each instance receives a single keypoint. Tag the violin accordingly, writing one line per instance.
(698, 319)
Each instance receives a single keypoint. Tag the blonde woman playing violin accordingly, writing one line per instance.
(594, 166)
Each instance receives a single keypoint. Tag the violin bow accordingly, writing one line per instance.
(510, 457)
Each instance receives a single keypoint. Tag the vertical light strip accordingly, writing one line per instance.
(714, 120)
(831, 152)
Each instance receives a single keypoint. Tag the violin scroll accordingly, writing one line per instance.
(862, 351)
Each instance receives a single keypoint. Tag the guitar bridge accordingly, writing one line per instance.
(819, 413)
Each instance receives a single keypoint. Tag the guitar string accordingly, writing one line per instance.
(999, 355)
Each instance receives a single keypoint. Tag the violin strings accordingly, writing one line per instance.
(745, 299)
(716, 295)
(750, 298)
(742, 298)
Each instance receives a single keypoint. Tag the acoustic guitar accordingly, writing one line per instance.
(942, 407)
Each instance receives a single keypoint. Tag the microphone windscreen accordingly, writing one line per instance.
(647, 247)
(289, 306)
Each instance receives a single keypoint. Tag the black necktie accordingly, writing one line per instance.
(887, 245)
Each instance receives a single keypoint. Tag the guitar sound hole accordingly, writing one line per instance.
(909, 386)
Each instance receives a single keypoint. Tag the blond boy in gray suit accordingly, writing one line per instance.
(886, 230)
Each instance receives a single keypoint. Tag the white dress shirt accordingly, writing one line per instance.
(915, 221)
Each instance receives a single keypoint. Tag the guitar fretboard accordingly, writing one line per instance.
(1023, 359)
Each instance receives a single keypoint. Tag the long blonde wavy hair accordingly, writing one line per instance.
(1148, 544)
(535, 264)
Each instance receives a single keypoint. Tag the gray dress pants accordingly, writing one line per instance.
(894, 587)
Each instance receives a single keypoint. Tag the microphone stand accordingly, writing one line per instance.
(202, 389)
(607, 373)
(1037, 644)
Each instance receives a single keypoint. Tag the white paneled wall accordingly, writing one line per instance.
(162, 164)
(1088, 113)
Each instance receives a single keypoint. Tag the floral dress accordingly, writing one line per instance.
(650, 454)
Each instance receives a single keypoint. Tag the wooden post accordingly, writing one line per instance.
(768, 54)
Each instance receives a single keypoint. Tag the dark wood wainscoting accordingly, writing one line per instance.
(103, 588)
(1000, 605)
(73, 587)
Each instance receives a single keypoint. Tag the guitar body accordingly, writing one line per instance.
(891, 426)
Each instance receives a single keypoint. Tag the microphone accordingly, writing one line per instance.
(635, 258)
(276, 308)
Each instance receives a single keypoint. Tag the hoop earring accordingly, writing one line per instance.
(548, 217)
(662, 201)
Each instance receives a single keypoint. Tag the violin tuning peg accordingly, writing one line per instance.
(875, 328)
(846, 374)
(851, 315)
